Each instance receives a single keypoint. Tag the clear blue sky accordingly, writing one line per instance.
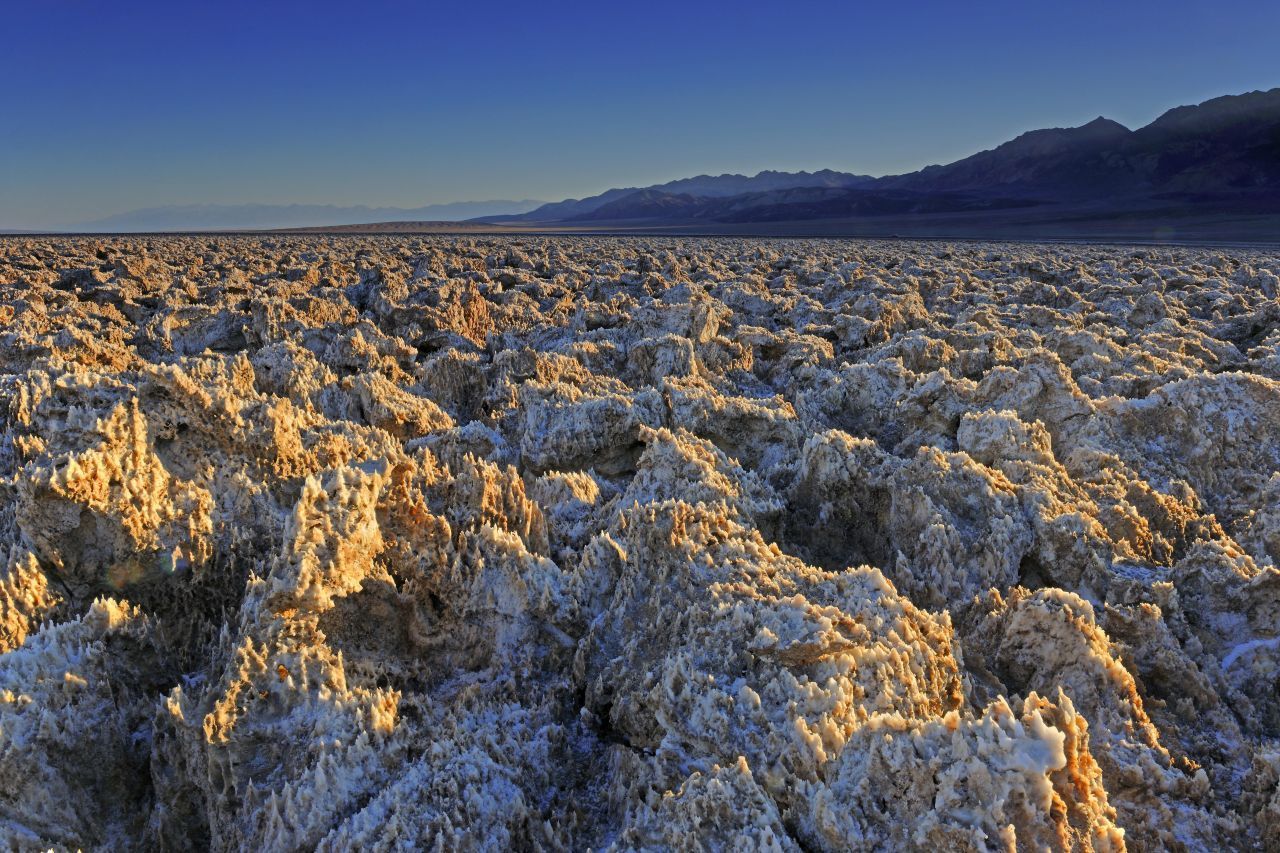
(110, 105)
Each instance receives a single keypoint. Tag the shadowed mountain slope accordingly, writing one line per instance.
(1220, 157)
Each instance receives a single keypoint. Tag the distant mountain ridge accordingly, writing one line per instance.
(214, 217)
(793, 204)
(702, 186)
(1221, 156)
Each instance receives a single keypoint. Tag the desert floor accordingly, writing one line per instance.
(567, 542)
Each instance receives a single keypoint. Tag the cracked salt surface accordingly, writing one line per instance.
(637, 543)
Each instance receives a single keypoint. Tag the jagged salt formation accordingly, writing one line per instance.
(637, 544)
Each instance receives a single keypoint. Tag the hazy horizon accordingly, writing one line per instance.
(391, 105)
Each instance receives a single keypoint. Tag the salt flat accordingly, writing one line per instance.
(494, 543)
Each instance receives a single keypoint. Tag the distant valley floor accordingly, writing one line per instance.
(1042, 224)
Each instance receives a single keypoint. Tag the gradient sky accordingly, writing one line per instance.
(110, 106)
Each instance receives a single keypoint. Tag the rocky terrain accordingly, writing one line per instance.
(555, 543)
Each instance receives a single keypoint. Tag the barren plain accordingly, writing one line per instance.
(562, 543)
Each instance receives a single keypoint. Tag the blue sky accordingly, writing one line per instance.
(110, 106)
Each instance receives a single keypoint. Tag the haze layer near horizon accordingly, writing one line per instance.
(135, 104)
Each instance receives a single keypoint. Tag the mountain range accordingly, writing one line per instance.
(702, 186)
(1210, 170)
(1219, 158)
